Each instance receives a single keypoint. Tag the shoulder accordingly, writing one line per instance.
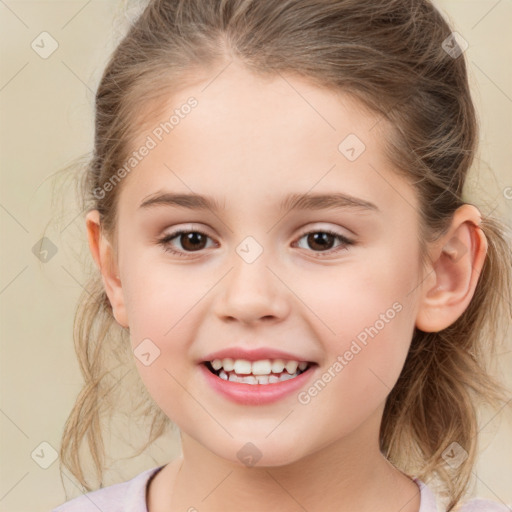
(129, 496)
(430, 503)
(482, 505)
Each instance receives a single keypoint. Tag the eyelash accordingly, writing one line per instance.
(164, 242)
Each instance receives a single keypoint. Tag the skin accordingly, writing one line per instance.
(248, 143)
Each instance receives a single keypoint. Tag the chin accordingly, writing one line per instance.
(263, 453)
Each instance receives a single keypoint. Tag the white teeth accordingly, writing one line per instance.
(277, 366)
(255, 379)
(228, 364)
(262, 379)
(242, 366)
(216, 364)
(291, 367)
(261, 371)
(261, 367)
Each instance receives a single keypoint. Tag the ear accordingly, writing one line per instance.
(457, 262)
(105, 259)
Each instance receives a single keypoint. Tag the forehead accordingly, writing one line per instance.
(251, 138)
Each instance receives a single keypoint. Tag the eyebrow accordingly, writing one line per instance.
(292, 202)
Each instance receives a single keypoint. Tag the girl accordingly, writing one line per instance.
(326, 343)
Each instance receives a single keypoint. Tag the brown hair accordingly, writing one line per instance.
(389, 56)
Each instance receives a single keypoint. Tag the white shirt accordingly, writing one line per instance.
(130, 496)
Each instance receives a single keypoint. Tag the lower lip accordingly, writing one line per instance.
(256, 394)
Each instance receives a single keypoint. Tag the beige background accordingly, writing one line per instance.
(46, 110)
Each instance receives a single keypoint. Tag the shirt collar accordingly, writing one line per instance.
(135, 499)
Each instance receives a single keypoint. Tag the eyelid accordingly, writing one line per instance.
(193, 228)
(328, 227)
(165, 240)
(187, 228)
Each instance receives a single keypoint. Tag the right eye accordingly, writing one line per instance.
(192, 242)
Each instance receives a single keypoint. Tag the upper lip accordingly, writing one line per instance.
(255, 354)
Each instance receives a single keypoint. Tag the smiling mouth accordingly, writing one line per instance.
(262, 375)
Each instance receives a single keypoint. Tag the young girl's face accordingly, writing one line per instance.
(263, 276)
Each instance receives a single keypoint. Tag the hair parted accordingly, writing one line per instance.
(389, 56)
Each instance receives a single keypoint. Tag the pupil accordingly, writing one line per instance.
(192, 238)
(314, 238)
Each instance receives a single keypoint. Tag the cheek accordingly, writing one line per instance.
(362, 301)
(163, 305)
(161, 330)
(352, 295)
(361, 370)
(370, 313)
(159, 295)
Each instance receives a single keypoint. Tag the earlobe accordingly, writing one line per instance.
(457, 263)
(105, 259)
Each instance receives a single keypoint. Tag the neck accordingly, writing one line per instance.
(350, 474)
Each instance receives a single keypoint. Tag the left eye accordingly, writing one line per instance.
(193, 241)
(325, 239)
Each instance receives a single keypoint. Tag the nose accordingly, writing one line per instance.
(252, 292)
